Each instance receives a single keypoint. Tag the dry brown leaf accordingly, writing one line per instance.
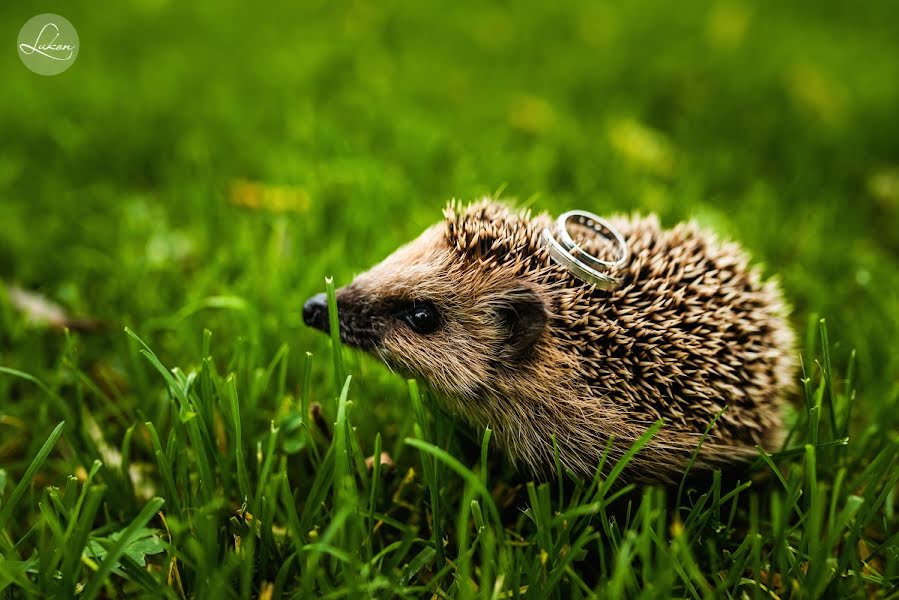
(386, 461)
(42, 312)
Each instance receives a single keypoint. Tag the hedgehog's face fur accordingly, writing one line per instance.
(427, 311)
(509, 339)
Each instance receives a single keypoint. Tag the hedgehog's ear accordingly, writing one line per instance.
(523, 316)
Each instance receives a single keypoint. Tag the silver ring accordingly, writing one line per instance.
(580, 263)
(598, 225)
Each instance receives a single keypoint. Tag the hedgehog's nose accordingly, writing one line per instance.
(315, 312)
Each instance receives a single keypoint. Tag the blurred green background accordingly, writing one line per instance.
(206, 165)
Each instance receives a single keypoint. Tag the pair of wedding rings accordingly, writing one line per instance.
(583, 265)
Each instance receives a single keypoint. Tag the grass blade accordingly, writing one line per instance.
(114, 552)
(25, 481)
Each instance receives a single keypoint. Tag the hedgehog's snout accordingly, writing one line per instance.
(356, 325)
(315, 312)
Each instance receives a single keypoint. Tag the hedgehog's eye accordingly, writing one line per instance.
(423, 318)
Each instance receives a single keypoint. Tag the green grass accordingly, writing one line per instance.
(202, 168)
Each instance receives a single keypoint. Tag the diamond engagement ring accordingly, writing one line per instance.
(583, 265)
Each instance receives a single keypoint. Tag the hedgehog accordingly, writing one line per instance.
(557, 368)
